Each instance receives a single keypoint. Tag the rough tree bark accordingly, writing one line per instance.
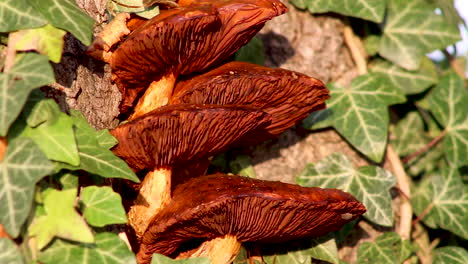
(298, 41)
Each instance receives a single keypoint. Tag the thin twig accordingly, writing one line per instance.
(406, 211)
(423, 214)
(356, 48)
(454, 64)
(425, 148)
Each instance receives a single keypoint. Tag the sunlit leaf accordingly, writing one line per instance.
(18, 14)
(242, 165)
(108, 249)
(369, 184)
(47, 40)
(41, 110)
(105, 139)
(372, 10)
(359, 113)
(139, 7)
(29, 72)
(22, 167)
(421, 197)
(102, 206)
(61, 220)
(448, 102)
(410, 82)
(450, 255)
(412, 30)
(384, 249)
(66, 15)
(9, 252)
(161, 259)
(324, 248)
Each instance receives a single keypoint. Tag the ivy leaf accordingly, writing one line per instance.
(449, 202)
(385, 249)
(105, 139)
(56, 139)
(243, 258)
(102, 206)
(242, 165)
(410, 82)
(324, 248)
(372, 10)
(108, 249)
(135, 6)
(412, 30)
(67, 16)
(359, 113)
(61, 220)
(68, 181)
(409, 134)
(450, 255)
(448, 104)
(299, 256)
(9, 253)
(371, 44)
(22, 167)
(253, 52)
(18, 14)
(369, 184)
(47, 40)
(29, 72)
(421, 197)
(161, 259)
(40, 110)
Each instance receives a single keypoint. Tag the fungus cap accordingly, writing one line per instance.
(182, 133)
(288, 96)
(251, 210)
(185, 40)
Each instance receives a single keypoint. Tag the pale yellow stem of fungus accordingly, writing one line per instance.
(154, 194)
(221, 250)
(157, 95)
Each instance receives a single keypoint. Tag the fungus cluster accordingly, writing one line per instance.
(185, 102)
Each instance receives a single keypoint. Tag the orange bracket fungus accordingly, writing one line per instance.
(173, 135)
(244, 210)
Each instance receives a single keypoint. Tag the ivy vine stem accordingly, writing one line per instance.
(425, 148)
(423, 214)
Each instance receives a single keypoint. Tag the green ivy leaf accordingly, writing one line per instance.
(47, 40)
(450, 255)
(108, 249)
(65, 14)
(9, 252)
(134, 6)
(95, 158)
(449, 202)
(385, 249)
(369, 184)
(68, 181)
(324, 248)
(243, 258)
(242, 165)
(29, 72)
(61, 220)
(161, 259)
(22, 167)
(299, 256)
(18, 14)
(253, 52)
(421, 197)
(40, 109)
(371, 44)
(409, 134)
(105, 139)
(359, 113)
(56, 139)
(102, 206)
(410, 82)
(372, 10)
(448, 103)
(412, 30)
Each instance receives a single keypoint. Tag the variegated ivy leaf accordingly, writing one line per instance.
(387, 248)
(19, 14)
(139, 7)
(450, 255)
(22, 167)
(66, 15)
(108, 248)
(161, 259)
(369, 184)
(359, 113)
(412, 30)
(421, 197)
(448, 103)
(324, 248)
(372, 10)
(9, 252)
(30, 71)
(102, 206)
(47, 40)
(449, 202)
(242, 165)
(409, 134)
(410, 82)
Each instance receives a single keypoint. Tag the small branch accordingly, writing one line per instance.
(356, 48)
(406, 211)
(425, 148)
(454, 64)
(10, 53)
(423, 214)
